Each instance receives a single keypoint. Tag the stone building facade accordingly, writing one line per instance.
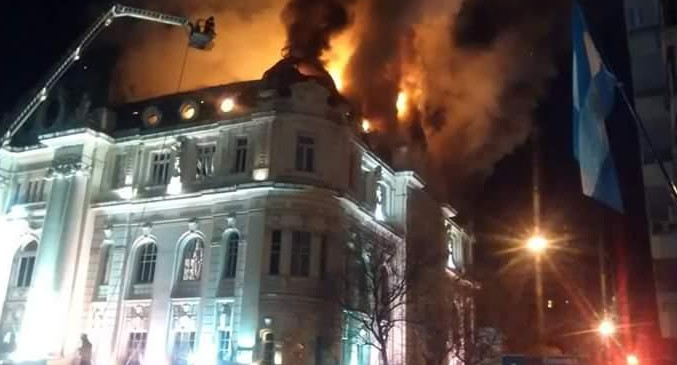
(205, 227)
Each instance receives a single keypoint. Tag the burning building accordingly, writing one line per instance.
(223, 225)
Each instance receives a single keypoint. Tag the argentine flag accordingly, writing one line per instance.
(594, 97)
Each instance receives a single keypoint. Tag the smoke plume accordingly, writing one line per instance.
(471, 72)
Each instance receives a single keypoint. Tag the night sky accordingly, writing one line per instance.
(34, 34)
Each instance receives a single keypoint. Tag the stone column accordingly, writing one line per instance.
(250, 274)
(47, 312)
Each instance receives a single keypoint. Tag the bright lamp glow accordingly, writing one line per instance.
(174, 187)
(606, 328)
(227, 105)
(537, 244)
(632, 359)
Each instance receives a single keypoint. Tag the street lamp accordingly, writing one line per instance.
(537, 244)
(606, 328)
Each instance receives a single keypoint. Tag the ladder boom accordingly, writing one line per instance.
(73, 55)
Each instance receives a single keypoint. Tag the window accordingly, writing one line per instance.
(17, 194)
(224, 329)
(120, 172)
(26, 265)
(231, 255)
(147, 260)
(192, 261)
(275, 251)
(35, 191)
(269, 349)
(224, 345)
(305, 154)
(300, 253)
(205, 160)
(672, 67)
(136, 347)
(240, 155)
(184, 343)
(106, 262)
(670, 12)
(160, 168)
(323, 257)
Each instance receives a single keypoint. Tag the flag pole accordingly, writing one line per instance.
(671, 184)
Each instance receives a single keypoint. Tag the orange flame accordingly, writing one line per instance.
(402, 104)
(366, 125)
(337, 58)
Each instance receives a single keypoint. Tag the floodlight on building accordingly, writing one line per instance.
(227, 105)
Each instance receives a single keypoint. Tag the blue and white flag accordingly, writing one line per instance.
(594, 98)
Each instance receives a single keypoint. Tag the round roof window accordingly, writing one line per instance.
(151, 116)
(188, 110)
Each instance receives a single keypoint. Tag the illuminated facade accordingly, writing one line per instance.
(200, 228)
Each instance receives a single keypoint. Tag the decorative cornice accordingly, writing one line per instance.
(67, 168)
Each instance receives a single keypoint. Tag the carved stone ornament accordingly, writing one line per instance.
(230, 222)
(184, 317)
(147, 228)
(192, 225)
(3, 181)
(67, 168)
(137, 317)
(108, 233)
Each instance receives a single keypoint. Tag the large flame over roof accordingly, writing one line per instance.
(454, 79)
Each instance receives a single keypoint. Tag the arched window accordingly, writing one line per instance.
(26, 265)
(192, 260)
(147, 259)
(231, 255)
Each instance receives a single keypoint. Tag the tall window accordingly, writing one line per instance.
(300, 253)
(269, 349)
(26, 265)
(323, 257)
(231, 255)
(136, 347)
(119, 174)
(240, 155)
(147, 260)
(35, 191)
(205, 160)
(192, 260)
(224, 328)
(305, 154)
(16, 199)
(106, 262)
(275, 251)
(184, 344)
(160, 168)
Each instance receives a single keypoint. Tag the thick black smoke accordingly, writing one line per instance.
(312, 23)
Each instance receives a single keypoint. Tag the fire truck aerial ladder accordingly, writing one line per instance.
(201, 35)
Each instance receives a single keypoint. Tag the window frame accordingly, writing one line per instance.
(301, 253)
(304, 153)
(141, 270)
(152, 180)
(25, 265)
(200, 149)
(275, 252)
(195, 241)
(240, 164)
(232, 243)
